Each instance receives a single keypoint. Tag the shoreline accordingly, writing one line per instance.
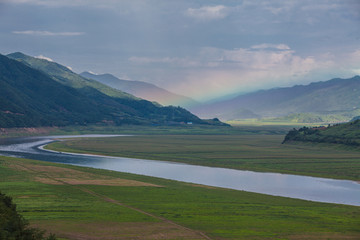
(217, 169)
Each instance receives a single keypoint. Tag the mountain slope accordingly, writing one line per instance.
(29, 98)
(321, 97)
(65, 76)
(142, 90)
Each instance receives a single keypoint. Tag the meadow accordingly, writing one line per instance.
(255, 152)
(183, 129)
(85, 203)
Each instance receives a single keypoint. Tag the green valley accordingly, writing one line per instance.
(83, 203)
(179, 120)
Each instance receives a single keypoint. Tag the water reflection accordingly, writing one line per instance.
(308, 188)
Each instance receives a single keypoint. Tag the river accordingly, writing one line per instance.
(285, 185)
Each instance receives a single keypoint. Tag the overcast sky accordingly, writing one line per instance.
(202, 49)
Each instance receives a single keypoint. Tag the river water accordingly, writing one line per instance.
(286, 185)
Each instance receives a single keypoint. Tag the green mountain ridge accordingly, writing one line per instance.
(31, 98)
(67, 77)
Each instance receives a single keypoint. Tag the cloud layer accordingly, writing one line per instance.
(48, 33)
(45, 58)
(208, 12)
(214, 71)
(199, 48)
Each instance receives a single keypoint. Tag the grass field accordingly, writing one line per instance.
(84, 203)
(248, 152)
(271, 122)
(248, 129)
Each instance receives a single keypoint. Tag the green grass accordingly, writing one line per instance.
(219, 213)
(234, 215)
(148, 130)
(38, 201)
(248, 152)
(248, 127)
(176, 129)
(273, 122)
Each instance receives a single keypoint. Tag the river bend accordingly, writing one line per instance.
(286, 185)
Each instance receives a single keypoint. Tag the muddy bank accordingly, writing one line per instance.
(31, 131)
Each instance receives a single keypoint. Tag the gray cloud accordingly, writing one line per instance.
(52, 3)
(208, 12)
(48, 33)
(187, 46)
(45, 58)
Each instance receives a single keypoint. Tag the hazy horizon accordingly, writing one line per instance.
(200, 49)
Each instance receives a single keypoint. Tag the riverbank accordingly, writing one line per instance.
(263, 153)
(77, 203)
(300, 187)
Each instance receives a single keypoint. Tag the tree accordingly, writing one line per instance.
(13, 226)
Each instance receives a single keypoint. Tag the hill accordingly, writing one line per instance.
(323, 117)
(67, 77)
(30, 98)
(346, 133)
(143, 90)
(336, 96)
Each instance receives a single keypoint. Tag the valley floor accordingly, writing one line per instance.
(85, 203)
(246, 152)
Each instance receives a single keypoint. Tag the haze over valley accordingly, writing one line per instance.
(199, 50)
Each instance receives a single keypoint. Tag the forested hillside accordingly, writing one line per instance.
(67, 77)
(346, 133)
(32, 98)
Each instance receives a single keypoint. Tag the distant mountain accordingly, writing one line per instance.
(325, 117)
(142, 90)
(31, 98)
(329, 97)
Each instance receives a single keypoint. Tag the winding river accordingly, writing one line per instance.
(286, 185)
